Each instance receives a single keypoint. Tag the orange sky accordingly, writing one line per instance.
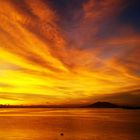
(50, 58)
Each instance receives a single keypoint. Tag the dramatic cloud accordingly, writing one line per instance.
(66, 52)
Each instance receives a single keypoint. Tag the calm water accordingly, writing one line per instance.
(75, 124)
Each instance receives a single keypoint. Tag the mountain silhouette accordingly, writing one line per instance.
(111, 105)
(103, 105)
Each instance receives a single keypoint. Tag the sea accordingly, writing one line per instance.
(69, 124)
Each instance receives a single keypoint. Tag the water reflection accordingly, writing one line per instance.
(69, 124)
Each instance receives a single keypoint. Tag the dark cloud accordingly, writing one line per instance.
(130, 14)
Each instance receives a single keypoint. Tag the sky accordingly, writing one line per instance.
(69, 51)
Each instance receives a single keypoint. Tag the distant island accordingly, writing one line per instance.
(110, 105)
(103, 105)
(94, 105)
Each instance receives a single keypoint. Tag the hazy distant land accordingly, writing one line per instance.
(94, 105)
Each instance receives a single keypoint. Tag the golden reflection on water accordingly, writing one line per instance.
(69, 124)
